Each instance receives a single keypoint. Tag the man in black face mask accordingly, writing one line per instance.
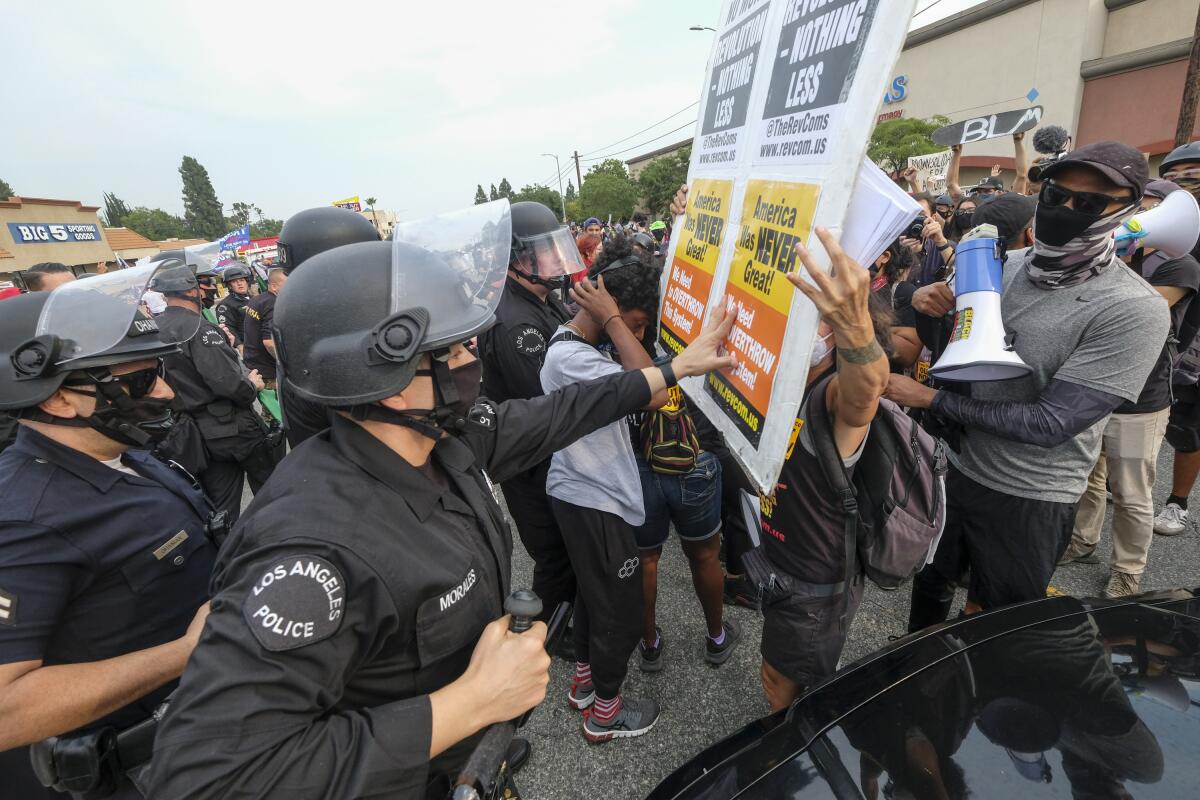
(542, 262)
(1091, 331)
(357, 643)
(219, 437)
(104, 557)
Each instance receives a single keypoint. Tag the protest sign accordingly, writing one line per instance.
(351, 203)
(931, 170)
(785, 82)
(694, 263)
(989, 126)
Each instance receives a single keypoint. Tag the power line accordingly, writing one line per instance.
(643, 130)
(641, 144)
(926, 8)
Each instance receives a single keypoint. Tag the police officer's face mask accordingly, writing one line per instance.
(124, 410)
(466, 380)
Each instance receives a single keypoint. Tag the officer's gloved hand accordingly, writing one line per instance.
(509, 671)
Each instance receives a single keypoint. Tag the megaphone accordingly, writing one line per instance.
(1172, 227)
(978, 349)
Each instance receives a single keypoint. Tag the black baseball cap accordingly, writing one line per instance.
(1120, 163)
(1011, 213)
(990, 182)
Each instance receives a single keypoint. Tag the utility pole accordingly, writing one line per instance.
(578, 175)
(561, 199)
(1191, 92)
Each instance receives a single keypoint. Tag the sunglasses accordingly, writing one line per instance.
(1054, 195)
(138, 383)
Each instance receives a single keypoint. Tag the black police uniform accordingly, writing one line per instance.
(231, 312)
(512, 353)
(257, 327)
(94, 563)
(356, 585)
(212, 390)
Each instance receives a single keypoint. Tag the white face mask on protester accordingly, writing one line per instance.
(821, 349)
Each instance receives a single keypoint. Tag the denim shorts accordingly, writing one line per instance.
(692, 502)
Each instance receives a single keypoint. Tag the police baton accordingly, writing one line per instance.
(485, 768)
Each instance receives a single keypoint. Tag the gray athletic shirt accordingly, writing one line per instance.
(1105, 333)
(600, 470)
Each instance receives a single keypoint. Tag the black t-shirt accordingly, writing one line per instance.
(260, 311)
(1160, 270)
(901, 301)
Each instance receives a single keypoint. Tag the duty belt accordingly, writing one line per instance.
(92, 764)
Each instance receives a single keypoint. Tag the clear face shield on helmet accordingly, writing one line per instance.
(89, 318)
(550, 259)
(474, 244)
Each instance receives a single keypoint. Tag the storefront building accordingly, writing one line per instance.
(34, 230)
(1101, 69)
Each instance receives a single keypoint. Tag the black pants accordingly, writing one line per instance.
(608, 600)
(1011, 545)
(235, 459)
(733, 522)
(553, 577)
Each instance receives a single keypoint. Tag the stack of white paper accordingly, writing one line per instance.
(879, 211)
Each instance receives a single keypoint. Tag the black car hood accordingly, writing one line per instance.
(1054, 698)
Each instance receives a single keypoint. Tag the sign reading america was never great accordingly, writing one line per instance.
(791, 93)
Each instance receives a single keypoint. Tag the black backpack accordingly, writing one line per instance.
(895, 504)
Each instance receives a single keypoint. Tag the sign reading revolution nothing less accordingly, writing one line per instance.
(789, 100)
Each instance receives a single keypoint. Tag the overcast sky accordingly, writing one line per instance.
(296, 104)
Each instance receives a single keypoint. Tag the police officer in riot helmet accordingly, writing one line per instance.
(542, 262)
(218, 437)
(231, 309)
(316, 230)
(104, 552)
(303, 236)
(356, 645)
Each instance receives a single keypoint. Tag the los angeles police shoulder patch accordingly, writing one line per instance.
(529, 341)
(296, 601)
(213, 338)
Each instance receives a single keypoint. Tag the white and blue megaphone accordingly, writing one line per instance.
(1172, 227)
(978, 349)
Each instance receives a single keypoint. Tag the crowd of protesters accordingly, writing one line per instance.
(350, 611)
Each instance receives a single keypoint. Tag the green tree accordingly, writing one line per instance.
(894, 141)
(115, 211)
(662, 177)
(6, 191)
(505, 189)
(155, 224)
(575, 210)
(371, 201)
(480, 196)
(493, 194)
(202, 211)
(608, 190)
(265, 227)
(243, 214)
(541, 194)
(570, 193)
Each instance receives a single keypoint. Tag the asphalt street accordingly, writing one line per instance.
(701, 704)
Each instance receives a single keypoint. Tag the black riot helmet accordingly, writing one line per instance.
(349, 344)
(173, 277)
(316, 230)
(72, 336)
(1185, 153)
(543, 251)
(232, 273)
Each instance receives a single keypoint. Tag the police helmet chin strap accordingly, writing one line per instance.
(432, 423)
(107, 395)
